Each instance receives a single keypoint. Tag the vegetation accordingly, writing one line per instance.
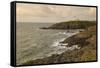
(72, 25)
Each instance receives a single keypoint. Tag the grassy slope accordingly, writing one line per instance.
(87, 41)
(72, 25)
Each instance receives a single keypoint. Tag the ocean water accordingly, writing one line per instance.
(35, 43)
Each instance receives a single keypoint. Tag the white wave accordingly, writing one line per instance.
(62, 44)
(73, 47)
(59, 46)
(61, 33)
(67, 33)
(57, 42)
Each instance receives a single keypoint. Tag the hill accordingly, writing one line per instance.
(71, 25)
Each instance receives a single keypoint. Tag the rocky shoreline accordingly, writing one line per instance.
(84, 43)
(85, 39)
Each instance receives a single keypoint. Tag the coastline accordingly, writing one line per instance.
(55, 44)
(86, 40)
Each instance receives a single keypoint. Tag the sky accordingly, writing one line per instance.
(41, 13)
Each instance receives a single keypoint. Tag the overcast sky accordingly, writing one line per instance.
(53, 13)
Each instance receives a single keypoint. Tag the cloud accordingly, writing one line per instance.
(53, 13)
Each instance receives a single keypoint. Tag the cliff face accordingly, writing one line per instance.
(86, 40)
(81, 38)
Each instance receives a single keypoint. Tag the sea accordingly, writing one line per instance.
(34, 43)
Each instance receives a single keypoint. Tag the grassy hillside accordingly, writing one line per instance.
(72, 25)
